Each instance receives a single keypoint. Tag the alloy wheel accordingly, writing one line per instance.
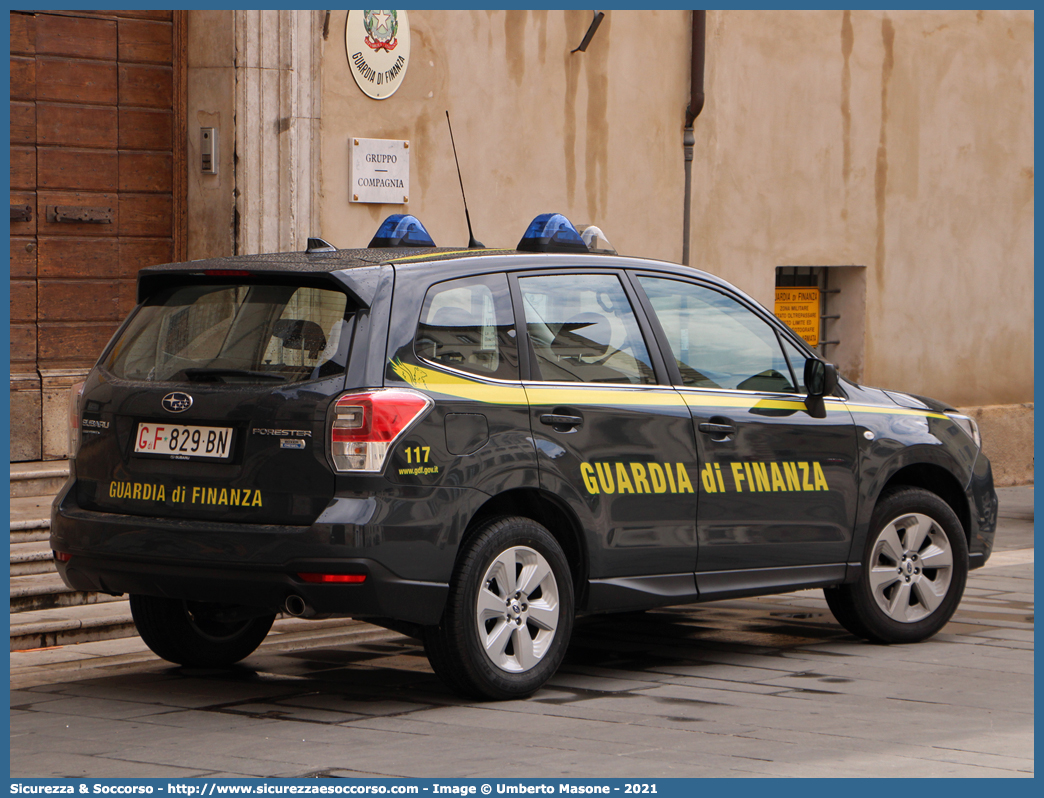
(911, 566)
(517, 609)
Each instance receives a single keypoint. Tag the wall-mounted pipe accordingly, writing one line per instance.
(696, 100)
(699, 48)
(598, 16)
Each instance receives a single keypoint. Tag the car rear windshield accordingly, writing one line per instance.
(253, 333)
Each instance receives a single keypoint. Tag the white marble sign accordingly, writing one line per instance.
(379, 171)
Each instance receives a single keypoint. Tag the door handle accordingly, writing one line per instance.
(557, 420)
(720, 431)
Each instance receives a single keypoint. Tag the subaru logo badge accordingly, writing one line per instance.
(176, 402)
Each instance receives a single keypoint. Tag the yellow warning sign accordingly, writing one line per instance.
(798, 308)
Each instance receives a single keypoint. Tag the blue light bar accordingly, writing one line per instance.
(401, 230)
(551, 232)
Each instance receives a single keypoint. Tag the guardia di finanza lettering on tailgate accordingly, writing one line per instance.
(179, 494)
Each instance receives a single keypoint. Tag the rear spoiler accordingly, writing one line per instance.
(359, 282)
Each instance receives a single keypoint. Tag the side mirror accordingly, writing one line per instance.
(820, 378)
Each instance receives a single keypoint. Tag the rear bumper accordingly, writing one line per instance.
(382, 595)
(250, 564)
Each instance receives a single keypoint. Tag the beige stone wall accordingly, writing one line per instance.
(253, 76)
(211, 80)
(1007, 439)
(901, 142)
(595, 135)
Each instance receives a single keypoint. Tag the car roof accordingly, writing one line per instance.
(470, 260)
(445, 263)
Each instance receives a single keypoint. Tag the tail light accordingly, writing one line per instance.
(75, 392)
(368, 423)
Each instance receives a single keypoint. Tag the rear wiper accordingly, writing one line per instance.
(205, 375)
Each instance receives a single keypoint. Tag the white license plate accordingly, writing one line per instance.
(183, 442)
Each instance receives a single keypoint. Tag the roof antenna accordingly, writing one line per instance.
(472, 243)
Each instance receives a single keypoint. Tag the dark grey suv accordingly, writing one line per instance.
(474, 446)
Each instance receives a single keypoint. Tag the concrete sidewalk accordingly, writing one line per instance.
(759, 687)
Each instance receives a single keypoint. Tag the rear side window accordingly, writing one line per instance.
(468, 325)
(583, 329)
(235, 333)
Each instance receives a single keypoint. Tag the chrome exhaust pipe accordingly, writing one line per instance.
(297, 607)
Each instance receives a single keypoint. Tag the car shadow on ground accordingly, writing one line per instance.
(611, 655)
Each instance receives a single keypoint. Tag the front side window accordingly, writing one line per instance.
(716, 341)
(798, 359)
(467, 324)
(234, 333)
(583, 329)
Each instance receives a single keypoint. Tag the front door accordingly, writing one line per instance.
(614, 440)
(777, 484)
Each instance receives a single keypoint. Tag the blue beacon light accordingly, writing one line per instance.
(401, 230)
(551, 232)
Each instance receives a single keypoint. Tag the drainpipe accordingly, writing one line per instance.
(696, 99)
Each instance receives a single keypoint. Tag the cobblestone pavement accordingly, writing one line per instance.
(753, 687)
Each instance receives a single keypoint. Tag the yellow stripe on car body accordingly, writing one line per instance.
(462, 387)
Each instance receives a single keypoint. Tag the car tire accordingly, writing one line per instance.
(915, 565)
(509, 613)
(194, 634)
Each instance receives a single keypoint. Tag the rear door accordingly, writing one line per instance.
(613, 440)
(455, 341)
(212, 403)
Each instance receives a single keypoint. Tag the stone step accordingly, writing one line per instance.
(33, 557)
(31, 513)
(36, 535)
(30, 519)
(44, 591)
(63, 626)
(38, 479)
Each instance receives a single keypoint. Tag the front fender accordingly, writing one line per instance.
(923, 449)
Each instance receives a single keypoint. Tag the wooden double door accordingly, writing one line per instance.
(97, 192)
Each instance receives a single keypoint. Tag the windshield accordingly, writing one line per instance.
(235, 333)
